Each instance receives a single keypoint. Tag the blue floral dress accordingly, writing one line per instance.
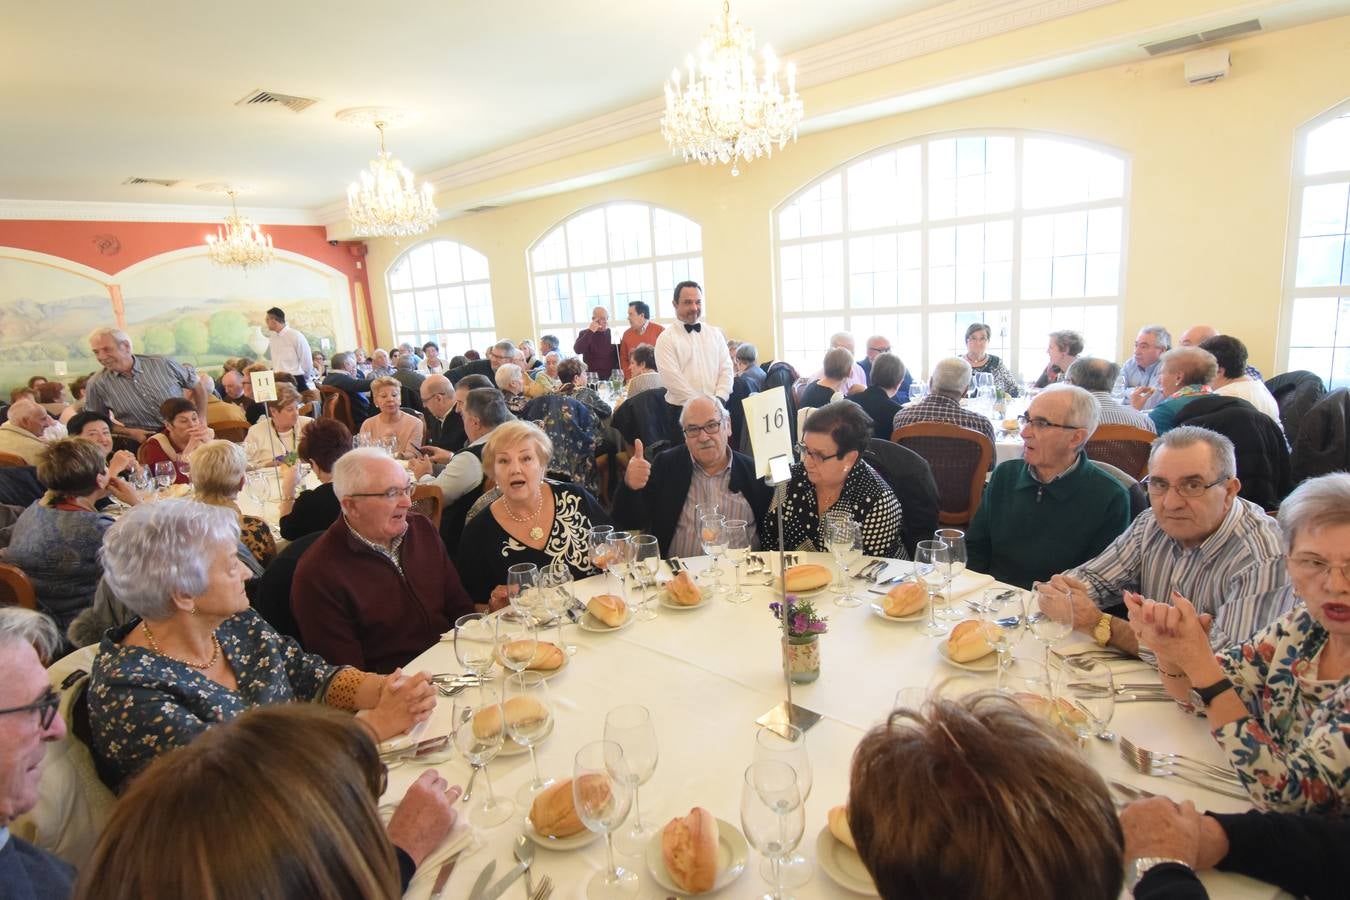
(574, 430)
(1292, 751)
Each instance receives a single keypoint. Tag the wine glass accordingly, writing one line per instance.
(917, 391)
(955, 539)
(631, 728)
(476, 647)
(843, 538)
(164, 474)
(143, 480)
(930, 570)
(517, 642)
(787, 743)
(1049, 615)
(1090, 689)
(530, 729)
(619, 549)
(478, 735)
(772, 815)
(702, 510)
(184, 468)
(738, 550)
(646, 563)
(602, 792)
(522, 580)
(256, 486)
(596, 543)
(1001, 611)
(559, 579)
(712, 534)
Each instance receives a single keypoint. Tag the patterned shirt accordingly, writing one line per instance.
(1292, 750)
(391, 553)
(135, 398)
(1115, 413)
(937, 408)
(865, 498)
(1133, 375)
(1237, 574)
(710, 490)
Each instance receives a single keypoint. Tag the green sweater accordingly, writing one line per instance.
(1025, 531)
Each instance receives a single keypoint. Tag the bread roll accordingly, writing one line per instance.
(489, 720)
(683, 591)
(1063, 715)
(689, 849)
(547, 657)
(838, 819)
(554, 811)
(608, 609)
(969, 641)
(807, 577)
(905, 599)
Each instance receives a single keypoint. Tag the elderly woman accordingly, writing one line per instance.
(1278, 703)
(1063, 349)
(572, 383)
(183, 433)
(97, 428)
(431, 352)
(838, 365)
(275, 438)
(977, 344)
(218, 471)
(197, 654)
(321, 445)
(511, 382)
(1186, 374)
(392, 421)
(833, 479)
(545, 379)
(56, 540)
(533, 521)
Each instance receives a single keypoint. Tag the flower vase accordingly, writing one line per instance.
(804, 658)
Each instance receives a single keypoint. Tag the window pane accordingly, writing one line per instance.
(1329, 147)
(446, 255)
(435, 272)
(586, 238)
(1058, 173)
(551, 252)
(475, 264)
(1319, 261)
(629, 231)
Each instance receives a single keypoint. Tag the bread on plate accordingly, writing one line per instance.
(689, 850)
(838, 821)
(683, 591)
(554, 811)
(807, 577)
(969, 641)
(905, 599)
(518, 709)
(609, 609)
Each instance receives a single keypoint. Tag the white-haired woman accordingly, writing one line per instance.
(197, 654)
(218, 470)
(511, 382)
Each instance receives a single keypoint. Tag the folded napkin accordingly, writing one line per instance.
(968, 583)
(461, 839)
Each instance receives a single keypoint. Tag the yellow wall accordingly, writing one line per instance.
(1210, 181)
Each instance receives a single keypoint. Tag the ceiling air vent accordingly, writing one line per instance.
(162, 182)
(1203, 37)
(272, 98)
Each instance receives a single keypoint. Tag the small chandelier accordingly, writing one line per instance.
(385, 203)
(239, 243)
(726, 111)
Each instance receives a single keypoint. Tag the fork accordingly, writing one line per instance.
(1150, 767)
(545, 889)
(1162, 758)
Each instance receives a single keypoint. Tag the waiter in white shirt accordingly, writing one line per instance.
(289, 351)
(692, 356)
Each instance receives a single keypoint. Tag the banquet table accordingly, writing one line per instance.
(706, 674)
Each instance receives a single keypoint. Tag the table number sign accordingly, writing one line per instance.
(264, 386)
(766, 417)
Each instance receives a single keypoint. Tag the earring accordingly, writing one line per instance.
(193, 611)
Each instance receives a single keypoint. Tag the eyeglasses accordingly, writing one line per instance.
(45, 706)
(708, 428)
(1039, 424)
(1311, 567)
(816, 456)
(392, 494)
(878, 349)
(1186, 487)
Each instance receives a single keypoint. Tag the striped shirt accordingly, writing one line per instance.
(1237, 574)
(937, 408)
(710, 490)
(1115, 413)
(135, 398)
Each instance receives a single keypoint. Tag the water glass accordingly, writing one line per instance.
(619, 549)
(559, 592)
(529, 730)
(1049, 615)
(713, 536)
(843, 538)
(631, 728)
(787, 743)
(479, 733)
(602, 792)
(772, 815)
(476, 647)
(738, 551)
(522, 590)
(646, 563)
(955, 539)
(1003, 614)
(164, 474)
(931, 562)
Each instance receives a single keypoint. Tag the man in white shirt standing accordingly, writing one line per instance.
(289, 351)
(692, 355)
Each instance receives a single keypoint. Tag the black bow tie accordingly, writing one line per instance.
(692, 328)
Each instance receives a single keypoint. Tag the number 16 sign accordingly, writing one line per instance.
(766, 417)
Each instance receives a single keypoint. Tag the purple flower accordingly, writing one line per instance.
(799, 623)
(817, 627)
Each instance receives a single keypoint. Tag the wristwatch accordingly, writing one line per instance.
(1144, 863)
(1202, 697)
(1101, 632)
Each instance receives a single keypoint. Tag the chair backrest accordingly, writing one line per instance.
(336, 405)
(1138, 496)
(911, 479)
(427, 499)
(959, 459)
(12, 459)
(418, 413)
(1321, 446)
(15, 588)
(232, 431)
(1295, 394)
(645, 417)
(1123, 446)
(273, 600)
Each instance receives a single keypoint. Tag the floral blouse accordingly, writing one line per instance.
(142, 704)
(865, 498)
(1292, 751)
(574, 431)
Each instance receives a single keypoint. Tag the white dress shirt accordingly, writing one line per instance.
(290, 353)
(693, 362)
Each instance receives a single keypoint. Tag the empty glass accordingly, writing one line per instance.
(738, 550)
(1049, 615)
(164, 474)
(930, 570)
(787, 743)
(558, 591)
(522, 590)
(772, 815)
(1002, 612)
(1090, 689)
(619, 549)
(529, 729)
(646, 563)
(955, 539)
(602, 792)
(843, 538)
(713, 536)
(631, 728)
(476, 647)
(517, 642)
(478, 735)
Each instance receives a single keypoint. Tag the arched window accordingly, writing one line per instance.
(1020, 230)
(610, 256)
(1317, 271)
(439, 291)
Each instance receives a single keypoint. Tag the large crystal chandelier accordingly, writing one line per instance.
(725, 110)
(385, 203)
(239, 243)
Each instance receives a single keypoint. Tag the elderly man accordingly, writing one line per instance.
(1140, 373)
(289, 350)
(661, 496)
(405, 372)
(548, 343)
(445, 427)
(878, 400)
(692, 355)
(1199, 539)
(1053, 508)
(1198, 334)
(232, 385)
(641, 330)
(484, 408)
(131, 386)
(643, 375)
(342, 374)
(380, 364)
(747, 365)
(29, 720)
(948, 384)
(1097, 377)
(595, 345)
(22, 433)
(378, 588)
(878, 344)
(499, 354)
(219, 412)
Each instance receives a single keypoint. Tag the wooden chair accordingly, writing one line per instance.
(232, 431)
(959, 458)
(1123, 446)
(427, 499)
(337, 405)
(12, 459)
(15, 588)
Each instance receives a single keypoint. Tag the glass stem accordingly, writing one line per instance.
(609, 854)
(932, 609)
(998, 676)
(538, 779)
(491, 800)
(560, 624)
(737, 570)
(637, 808)
(776, 866)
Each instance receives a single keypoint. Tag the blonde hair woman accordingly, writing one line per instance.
(218, 470)
(387, 394)
(275, 438)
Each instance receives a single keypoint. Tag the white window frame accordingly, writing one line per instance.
(440, 335)
(924, 225)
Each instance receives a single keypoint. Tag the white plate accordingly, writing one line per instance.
(573, 842)
(670, 604)
(591, 623)
(732, 853)
(988, 663)
(842, 863)
(919, 616)
(511, 748)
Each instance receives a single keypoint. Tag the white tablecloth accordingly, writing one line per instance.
(707, 674)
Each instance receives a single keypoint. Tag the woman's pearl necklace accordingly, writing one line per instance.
(535, 532)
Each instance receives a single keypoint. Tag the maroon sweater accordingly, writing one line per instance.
(597, 351)
(354, 608)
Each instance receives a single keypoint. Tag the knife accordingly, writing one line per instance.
(483, 878)
(443, 876)
(500, 887)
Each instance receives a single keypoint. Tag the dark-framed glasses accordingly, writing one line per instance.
(1186, 487)
(1040, 424)
(45, 706)
(392, 494)
(816, 456)
(708, 428)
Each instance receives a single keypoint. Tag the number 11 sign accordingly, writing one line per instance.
(766, 417)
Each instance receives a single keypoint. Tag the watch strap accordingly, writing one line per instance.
(1101, 632)
(1208, 693)
(1144, 863)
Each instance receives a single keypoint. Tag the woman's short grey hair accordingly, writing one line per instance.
(838, 363)
(951, 376)
(1084, 412)
(887, 371)
(1195, 366)
(157, 550)
(1315, 503)
(1220, 448)
(218, 468)
(349, 472)
(28, 626)
(1070, 342)
(507, 373)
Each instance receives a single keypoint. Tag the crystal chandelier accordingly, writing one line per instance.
(239, 243)
(385, 203)
(726, 111)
